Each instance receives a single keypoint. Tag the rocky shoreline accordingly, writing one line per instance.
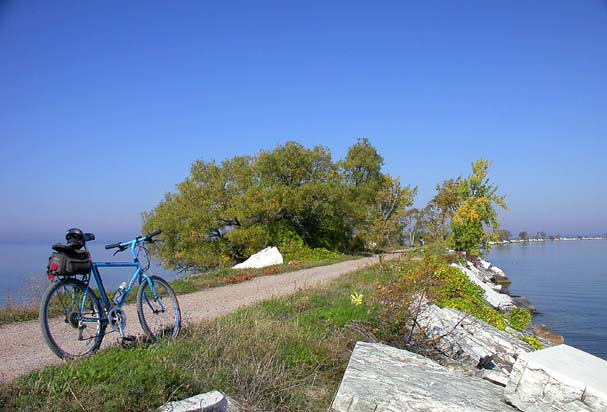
(532, 240)
(480, 368)
(475, 368)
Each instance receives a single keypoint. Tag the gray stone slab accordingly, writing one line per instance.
(207, 402)
(381, 378)
(561, 378)
(469, 340)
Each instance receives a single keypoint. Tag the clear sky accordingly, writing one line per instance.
(104, 105)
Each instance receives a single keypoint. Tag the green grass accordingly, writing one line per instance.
(284, 355)
(12, 312)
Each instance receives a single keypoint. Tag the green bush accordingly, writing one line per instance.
(519, 318)
(533, 342)
(479, 311)
(442, 284)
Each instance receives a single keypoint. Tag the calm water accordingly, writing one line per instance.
(23, 269)
(567, 282)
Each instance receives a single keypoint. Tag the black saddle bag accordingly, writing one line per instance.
(68, 262)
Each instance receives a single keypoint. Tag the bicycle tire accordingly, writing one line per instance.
(158, 317)
(61, 315)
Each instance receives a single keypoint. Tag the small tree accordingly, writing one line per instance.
(476, 212)
(504, 235)
(524, 236)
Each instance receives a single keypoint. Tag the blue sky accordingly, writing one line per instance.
(104, 105)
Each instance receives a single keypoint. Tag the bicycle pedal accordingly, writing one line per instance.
(128, 341)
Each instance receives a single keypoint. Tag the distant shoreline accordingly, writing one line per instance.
(535, 240)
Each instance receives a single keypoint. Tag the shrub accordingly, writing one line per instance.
(519, 318)
(433, 278)
(533, 342)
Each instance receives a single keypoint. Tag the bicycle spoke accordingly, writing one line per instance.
(78, 328)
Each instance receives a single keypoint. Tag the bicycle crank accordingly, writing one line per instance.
(117, 319)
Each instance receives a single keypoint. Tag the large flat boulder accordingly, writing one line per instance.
(469, 340)
(381, 378)
(560, 378)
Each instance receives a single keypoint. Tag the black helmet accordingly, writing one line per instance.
(75, 238)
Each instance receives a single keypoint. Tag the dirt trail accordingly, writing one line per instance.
(23, 349)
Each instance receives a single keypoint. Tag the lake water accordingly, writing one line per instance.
(23, 269)
(567, 282)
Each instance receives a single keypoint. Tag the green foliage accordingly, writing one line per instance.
(533, 342)
(519, 318)
(476, 211)
(478, 310)
(292, 197)
(504, 235)
(432, 277)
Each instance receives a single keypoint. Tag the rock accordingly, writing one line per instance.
(484, 264)
(494, 377)
(469, 340)
(380, 378)
(207, 402)
(497, 300)
(523, 303)
(480, 273)
(441, 325)
(501, 280)
(561, 378)
(543, 333)
(266, 257)
(497, 271)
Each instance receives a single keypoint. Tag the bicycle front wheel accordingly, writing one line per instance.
(158, 309)
(71, 319)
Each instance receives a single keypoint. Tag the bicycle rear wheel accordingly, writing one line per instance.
(71, 319)
(158, 309)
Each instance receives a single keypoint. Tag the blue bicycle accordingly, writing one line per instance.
(74, 318)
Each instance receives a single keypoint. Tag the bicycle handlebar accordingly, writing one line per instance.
(146, 238)
(154, 233)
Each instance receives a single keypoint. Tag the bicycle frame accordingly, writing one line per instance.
(138, 276)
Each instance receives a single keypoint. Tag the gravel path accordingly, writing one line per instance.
(23, 349)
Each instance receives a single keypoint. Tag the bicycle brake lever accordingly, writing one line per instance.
(120, 249)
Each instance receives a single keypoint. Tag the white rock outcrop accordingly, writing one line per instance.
(560, 378)
(266, 257)
(471, 341)
(207, 402)
(381, 378)
(499, 301)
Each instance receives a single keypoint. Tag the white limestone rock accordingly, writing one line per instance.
(497, 270)
(497, 300)
(381, 378)
(485, 265)
(266, 257)
(560, 378)
(467, 339)
(207, 402)
(453, 341)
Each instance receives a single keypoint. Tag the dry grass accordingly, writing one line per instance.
(281, 355)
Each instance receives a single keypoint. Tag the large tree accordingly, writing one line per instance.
(475, 219)
(288, 196)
